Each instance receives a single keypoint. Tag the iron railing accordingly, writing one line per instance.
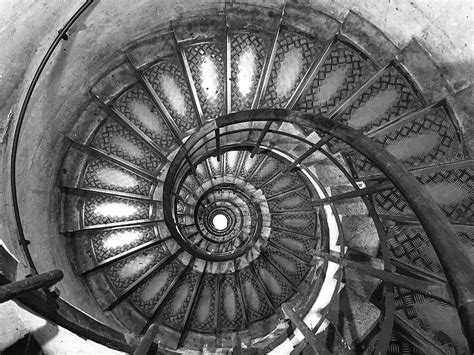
(225, 133)
(39, 298)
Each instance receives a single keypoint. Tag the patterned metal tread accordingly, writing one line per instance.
(105, 210)
(169, 82)
(107, 244)
(429, 139)
(206, 62)
(116, 140)
(342, 73)
(389, 97)
(104, 175)
(138, 107)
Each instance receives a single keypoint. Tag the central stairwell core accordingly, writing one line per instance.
(220, 221)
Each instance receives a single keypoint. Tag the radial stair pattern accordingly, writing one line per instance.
(214, 247)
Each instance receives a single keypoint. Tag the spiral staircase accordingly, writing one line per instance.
(206, 194)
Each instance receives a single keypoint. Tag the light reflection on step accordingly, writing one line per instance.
(282, 184)
(116, 177)
(374, 108)
(448, 193)
(115, 209)
(121, 238)
(331, 84)
(155, 286)
(229, 303)
(292, 202)
(173, 94)
(127, 146)
(210, 78)
(270, 282)
(252, 296)
(414, 146)
(135, 266)
(203, 309)
(144, 114)
(292, 244)
(180, 297)
(289, 71)
(245, 77)
(296, 222)
(285, 263)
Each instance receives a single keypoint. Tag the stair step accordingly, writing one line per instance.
(461, 105)
(114, 83)
(360, 234)
(308, 64)
(330, 342)
(353, 316)
(363, 33)
(420, 65)
(356, 280)
(329, 174)
(348, 207)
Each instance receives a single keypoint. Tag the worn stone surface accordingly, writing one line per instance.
(376, 44)
(353, 316)
(329, 174)
(420, 65)
(463, 107)
(349, 207)
(360, 234)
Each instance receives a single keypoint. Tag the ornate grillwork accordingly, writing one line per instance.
(116, 140)
(170, 85)
(104, 175)
(342, 73)
(231, 316)
(452, 190)
(204, 314)
(104, 210)
(390, 96)
(294, 51)
(146, 297)
(137, 106)
(206, 61)
(248, 53)
(125, 272)
(107, 244)
(438, 142)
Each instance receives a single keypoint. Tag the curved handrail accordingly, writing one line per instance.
(62, 313)
(62, 34)
(200, 139)
(457, 267)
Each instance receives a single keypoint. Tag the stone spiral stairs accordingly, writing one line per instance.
(277, 245)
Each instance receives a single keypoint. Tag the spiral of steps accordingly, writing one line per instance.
(248, 233)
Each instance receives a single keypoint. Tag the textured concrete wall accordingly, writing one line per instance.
(28, 27)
